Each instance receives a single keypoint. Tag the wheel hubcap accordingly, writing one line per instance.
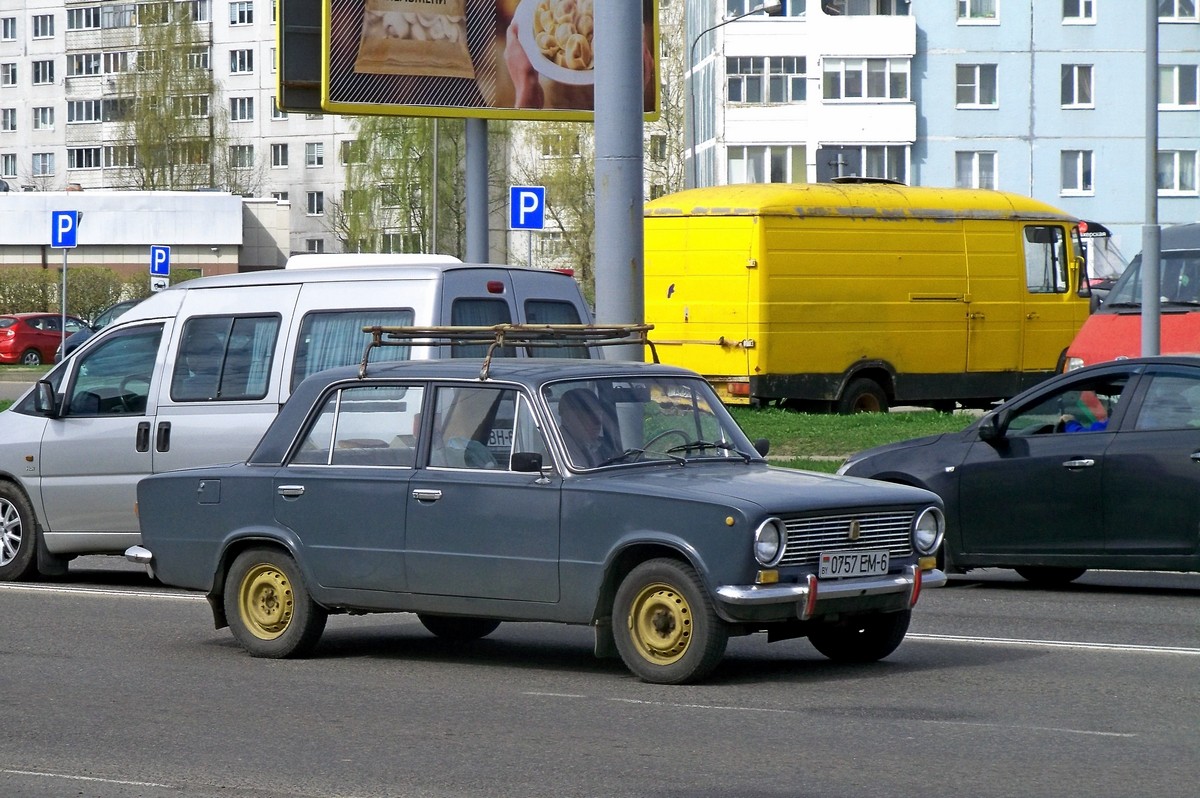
(266, 601)
(10, 532)
(660, 624)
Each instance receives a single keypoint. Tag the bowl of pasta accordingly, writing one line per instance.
(557, 37)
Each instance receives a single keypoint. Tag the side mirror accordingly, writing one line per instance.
(44, 401)
(526, 462)
(991, 428)
(762, 446)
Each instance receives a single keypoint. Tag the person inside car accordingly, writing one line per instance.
(589, 439)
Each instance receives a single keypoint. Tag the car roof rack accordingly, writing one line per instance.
(498, 335)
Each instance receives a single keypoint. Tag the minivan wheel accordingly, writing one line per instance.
(863, 395)
(31, 357)
(268, 608)
(18, 535)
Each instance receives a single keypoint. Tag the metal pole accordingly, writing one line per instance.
(1151, 239)
(477, 191)
(63, 331)
(434, 216)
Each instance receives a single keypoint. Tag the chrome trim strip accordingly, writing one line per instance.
(749, 595)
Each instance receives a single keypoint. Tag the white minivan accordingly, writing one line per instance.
(194, 374)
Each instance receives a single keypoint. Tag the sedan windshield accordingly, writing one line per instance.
(615, 421)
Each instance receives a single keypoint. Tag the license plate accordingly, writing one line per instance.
(839, 564)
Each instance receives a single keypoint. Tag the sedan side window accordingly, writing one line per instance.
(473, 427)
(1172, 402)
(364, 426)
(1080, 407)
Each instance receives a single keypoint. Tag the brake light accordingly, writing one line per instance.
(495, 287)
(739, 389)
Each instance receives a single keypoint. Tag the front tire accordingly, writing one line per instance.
(865, 639)
(268, 608)
(665, 627)
(458, 629)
(1049, 576)
(18, 535)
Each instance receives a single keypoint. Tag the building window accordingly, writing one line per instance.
(279, 156)
(118, 15)
(116, 63)
(314, 154)
(119, 155)
(978, 11)
(733, 8)
(1177, 172)
(8, 164)
(1079, 11)
(1077, 86)
(1177, 10)
(272, 62)
(241, 62)
(8, 29)
(83, 158)
(8, 119)
(560, 145)
(1077, 172)
(400, 242)
(198, 59)
(1177, 86)
(975, 169)
(43, 26)
(276, 112)
(762, 79)
(8, 74)
(83, 18)
(766, 165)
(353, 151)
(657, 190)
(83, 111)
(279, 196)
(43, 72)
(976, 86)
(869, 78)
(241, 109)
(43, 164)
(316, 203)
(83, 64)
(658, 147)
(241, 13)
(43, 117)
(195, 106)
(241, 156)
(199, 9)
(314, 245)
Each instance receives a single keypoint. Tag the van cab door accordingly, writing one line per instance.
(1052, 312)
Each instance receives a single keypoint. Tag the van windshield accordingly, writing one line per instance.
(1179, 281)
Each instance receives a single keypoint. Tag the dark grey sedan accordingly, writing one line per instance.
(617, 495)
(1096, 468)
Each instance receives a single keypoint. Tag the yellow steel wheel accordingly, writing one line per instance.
(265, 601)
(660, 623)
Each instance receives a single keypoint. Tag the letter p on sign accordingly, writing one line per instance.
(527, 207)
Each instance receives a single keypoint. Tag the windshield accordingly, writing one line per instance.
(617, 421)
(1179, 273)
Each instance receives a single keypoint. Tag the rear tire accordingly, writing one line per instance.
(866, 639)
(268, 608)
(31, 357)
(1049, 576)
(458, 629)
(863, 395)
(18, 535)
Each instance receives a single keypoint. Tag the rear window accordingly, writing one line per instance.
(554, 311)
(332, 338)
(480, 313)
(7, 321)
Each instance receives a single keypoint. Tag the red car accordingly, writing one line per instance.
(31, 338)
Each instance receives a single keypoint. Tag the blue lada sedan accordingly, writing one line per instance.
(618, 495)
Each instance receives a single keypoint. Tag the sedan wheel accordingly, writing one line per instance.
(1046, 576)
(449, 628)
(864, 639)
(32, 357)
(18, 535)
(666, 629)
(269, 610)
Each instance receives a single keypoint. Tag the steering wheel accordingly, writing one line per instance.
(125, 395)
(682, 435)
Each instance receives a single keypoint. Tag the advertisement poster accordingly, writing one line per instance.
(499, 59)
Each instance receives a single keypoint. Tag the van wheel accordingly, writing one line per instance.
(863, 395)
(18, 535)
(31, 357)
(268, 608)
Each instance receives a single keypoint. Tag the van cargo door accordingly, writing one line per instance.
(995, 286)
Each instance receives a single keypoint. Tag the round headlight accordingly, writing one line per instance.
(769, 541)
(928, 529)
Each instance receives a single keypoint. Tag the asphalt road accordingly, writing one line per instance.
(114, 688)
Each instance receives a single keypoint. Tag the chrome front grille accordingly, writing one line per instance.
(808, 537)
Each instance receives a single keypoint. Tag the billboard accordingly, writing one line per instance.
(493, 59)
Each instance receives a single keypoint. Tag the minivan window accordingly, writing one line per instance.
(224, 358)
(114, 377)
(329, 339)
(479, 313)
(552, 311)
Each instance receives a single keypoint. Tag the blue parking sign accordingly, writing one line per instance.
(527, 207)
(64, 227)
(160, 261)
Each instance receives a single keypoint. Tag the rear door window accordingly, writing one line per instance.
(553, 311)
(467, 312)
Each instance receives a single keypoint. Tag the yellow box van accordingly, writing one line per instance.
(857, 296)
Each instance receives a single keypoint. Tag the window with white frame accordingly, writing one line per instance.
(865, 8)
(119, 155)
(276, 112)
(8, 29)
(43, 26)
(116, 62)
(975, 86)
(560, 145)
(279, 156)
(279, 196)
(1177, 86)
(83, 18)
(43, 164)
(8, 74)
(43, 73)
(241, 109)
(1177, 10)
(241, 62)
(314, 245)
(734, 8)
(1077, 86)
(314, 154)
(198, 59)
(194, 106)
(658, 147)
(774, 164)
(978, 11)
(118, 15)
(43, 117)
(1079, 11)
(395, 242)
(869, 78)
(83, 64)
(8, 120)
(241, 13)
(272, 61)
(8, 164)
(975, 169)
(241, 156)
(1077, 169)
(83, 111)
(765, 79)
(353, 151)
(83, 157)
(199, 10)
(1177, 172)
(316, 203)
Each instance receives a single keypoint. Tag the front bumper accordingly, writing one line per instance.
(813, 596)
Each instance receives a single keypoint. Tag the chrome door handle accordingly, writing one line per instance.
(290, 491)
(426, 494)
(1086, 462)
(1196, 456)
